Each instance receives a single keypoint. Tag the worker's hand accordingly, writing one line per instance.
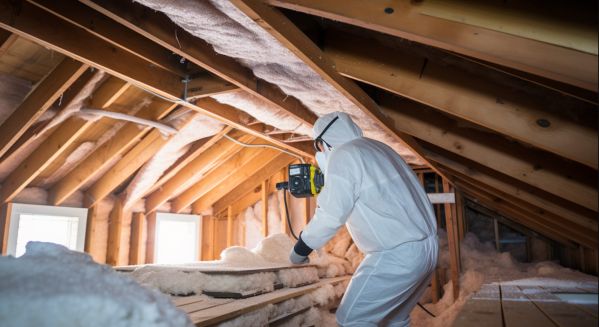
(298, 259)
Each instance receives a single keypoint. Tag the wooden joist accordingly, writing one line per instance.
(38, 101)
(403, 19)
(465, 95)
(216, 154)
(35, 24)
(252, 174)
(104, 155)
(103, 27)
(158, 28)
(490, 151)
(231, 171)
(53, 146)
(280, 27)
(129, 164)
(482, 178)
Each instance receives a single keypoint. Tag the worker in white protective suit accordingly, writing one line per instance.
(370, 189)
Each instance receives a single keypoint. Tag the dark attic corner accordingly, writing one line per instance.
(298, 163)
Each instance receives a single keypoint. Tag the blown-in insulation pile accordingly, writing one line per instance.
(235, 35)
(52, 286)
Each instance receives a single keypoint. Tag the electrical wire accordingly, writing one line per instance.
(287, 214)
(264, 146)
(134, 119)
(423, 308)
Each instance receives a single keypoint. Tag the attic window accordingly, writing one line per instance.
(60, 225)
(177, 238)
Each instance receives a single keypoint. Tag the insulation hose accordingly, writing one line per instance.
(287, 214)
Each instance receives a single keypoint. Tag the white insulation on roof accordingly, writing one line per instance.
(234, 34)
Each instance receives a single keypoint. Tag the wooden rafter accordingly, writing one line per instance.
(526, 215)
(6, 40)
(218, 153)
(38, 101)
(483, 178)
(252, 174)
(52, 147)
(229, 171)
(415, 120)
(403, 19)
(281, 28)
(101, 26)
(104, 155)
(464, 95)
(129, 164)
(35, 24)
(159, 28)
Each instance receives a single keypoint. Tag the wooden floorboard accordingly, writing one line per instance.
(483, 309)
(561, 313)
(518, 311)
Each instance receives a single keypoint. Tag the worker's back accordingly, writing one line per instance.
(391, 207)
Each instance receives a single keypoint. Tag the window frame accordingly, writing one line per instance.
(197, 219)
(17, 209)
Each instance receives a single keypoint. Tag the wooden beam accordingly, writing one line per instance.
(150, 237)
(52, 147)
(231, 172)
(454, 245)
(251, 174)
(212, 238)
(229, 226)
(5, 213)
(482, 178)
(460, 215)
(7, 39)
(115, 229)
(54, 33)
(101, 26)
(282, 29)
(38, 101)
(493, 152)
(531, 215)
(90, 233)
(246, 195)
(403, 19)
(129, 164)
(208, 85)
(463, 95)
(104, 155)
(220, 151)
(158, 28)
(138, 225)
(264, 213)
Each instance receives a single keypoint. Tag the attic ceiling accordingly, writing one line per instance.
(512, 129)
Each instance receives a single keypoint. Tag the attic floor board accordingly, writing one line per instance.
(514, 306)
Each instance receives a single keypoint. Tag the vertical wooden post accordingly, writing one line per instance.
(229, 226)
(138, 224)
(201, 236)
(497, 238)
(453, 241)
(150, 236)
(212, 237)
(437, 206)
(460, 215)
(90, 228)
(435, 288)
(264, 197)
(114, 233)
(5, 212)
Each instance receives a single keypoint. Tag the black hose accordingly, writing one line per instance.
(423, 308)
(287, 214)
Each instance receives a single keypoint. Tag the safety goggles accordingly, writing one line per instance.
(319, 142)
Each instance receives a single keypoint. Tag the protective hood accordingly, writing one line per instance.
(342, 131)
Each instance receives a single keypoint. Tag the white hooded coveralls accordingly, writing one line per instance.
(370, 189)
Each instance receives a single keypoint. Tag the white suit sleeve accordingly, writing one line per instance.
(335, 202)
